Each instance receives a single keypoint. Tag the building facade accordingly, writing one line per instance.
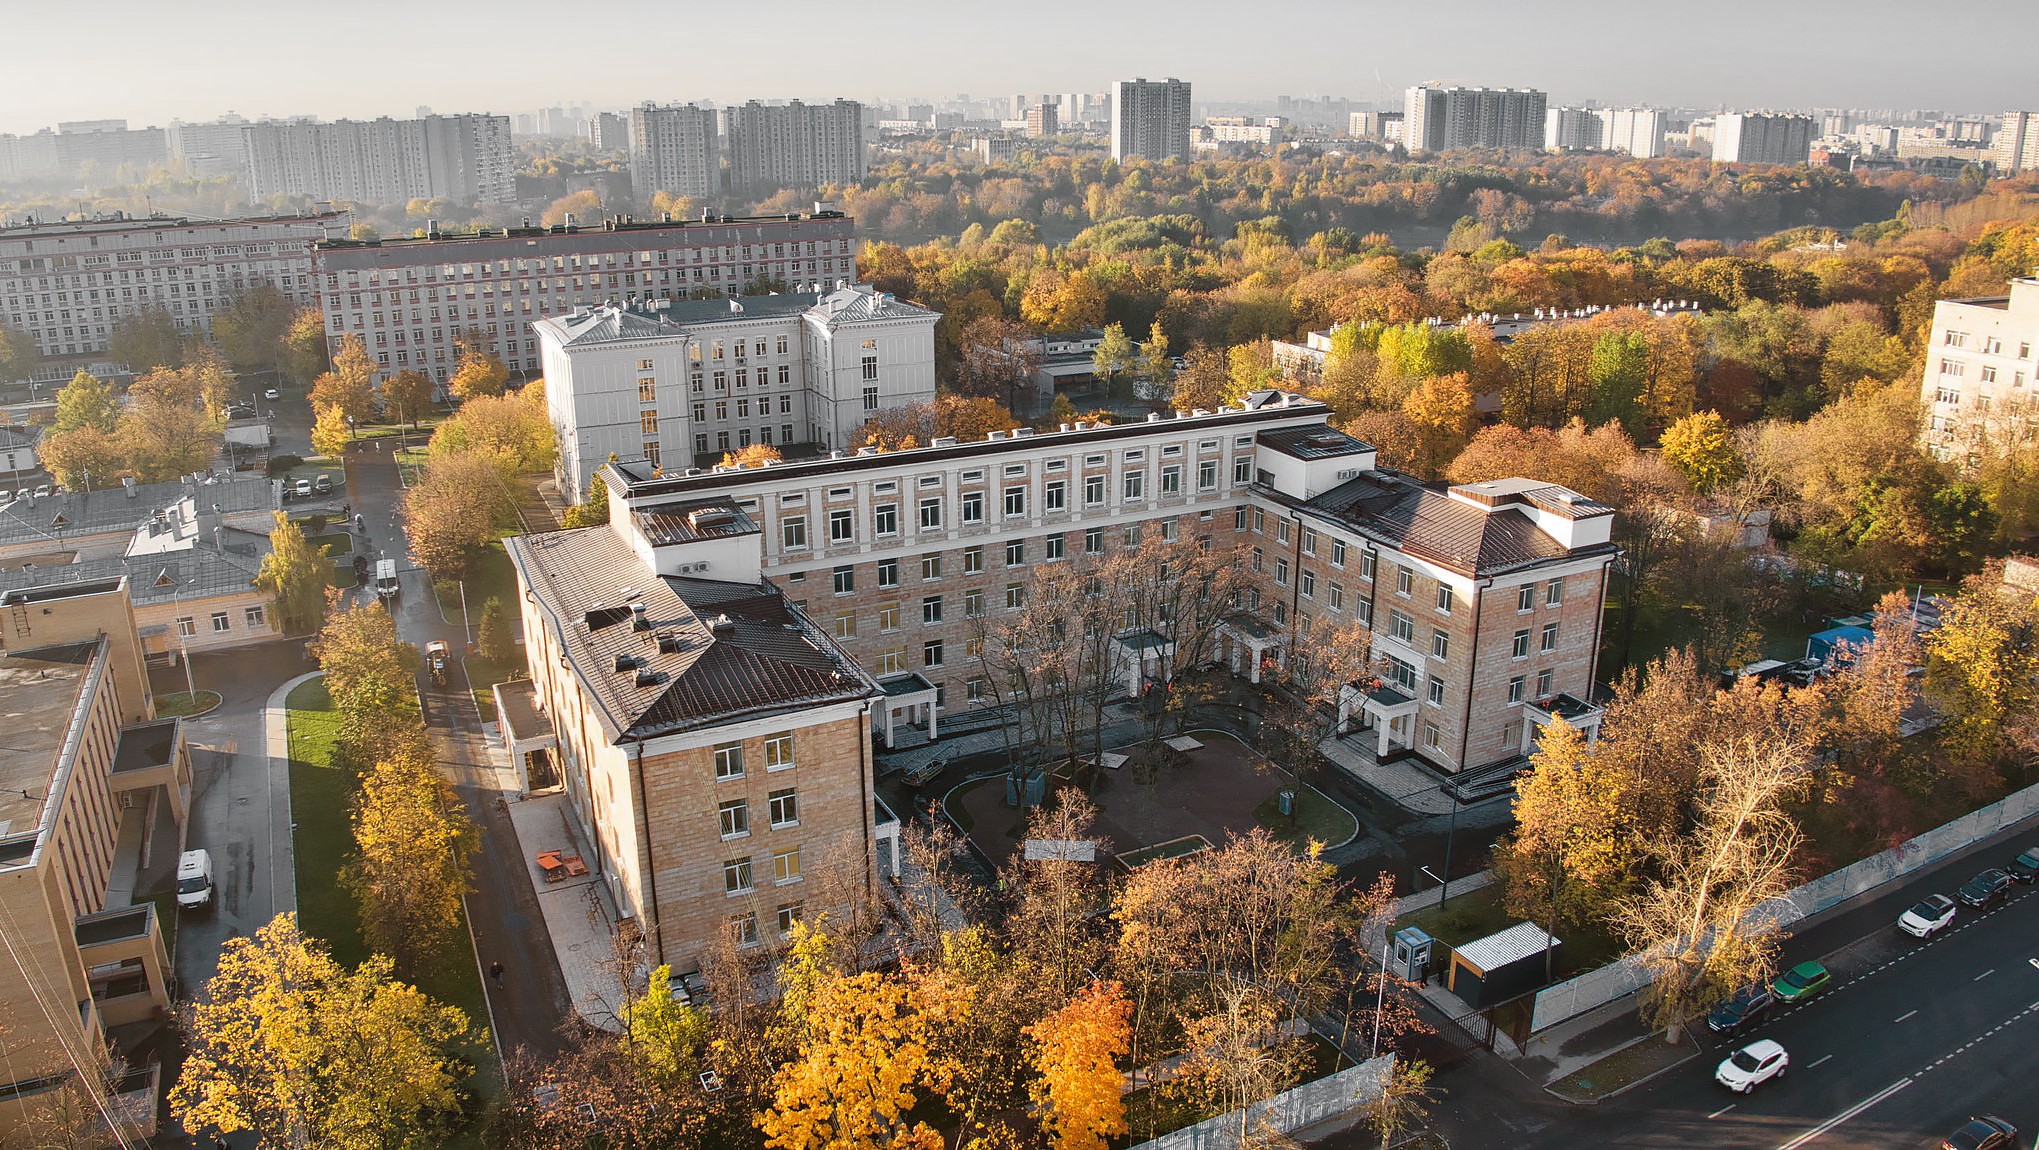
(1440, 118)
(995, 149)
(68, 283)
(1483, 600)
(674, 149)
(794, 145)
(2015, 148)
(465, 158)
(1151, 119)
(1762, 138)
(1043, 121)
(1637, 131)
(411, 300)
(1980, 374)
(218, 148)
(680, 383)
(1574, 130)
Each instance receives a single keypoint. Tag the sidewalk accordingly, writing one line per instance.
(1408, 785)
(579, 913)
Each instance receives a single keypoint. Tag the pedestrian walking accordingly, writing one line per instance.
(496, 974)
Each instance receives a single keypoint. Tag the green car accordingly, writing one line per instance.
(1801, 982)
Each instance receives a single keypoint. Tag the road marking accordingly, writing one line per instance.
(1845, 1115)
(1984, 974)
(1905, 1015)
(1723, 1110)
(2034, 962)
(1822, 1058)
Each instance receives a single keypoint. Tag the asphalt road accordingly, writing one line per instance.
(1911, 1039)
(502, 909)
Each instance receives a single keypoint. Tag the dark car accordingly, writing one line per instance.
(2025, 867)
(1748, 1007)
(1986, 889)
(1985, 1132)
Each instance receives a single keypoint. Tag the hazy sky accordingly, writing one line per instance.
(196, 59)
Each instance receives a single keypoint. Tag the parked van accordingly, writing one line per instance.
(386, 586)
(194, 878)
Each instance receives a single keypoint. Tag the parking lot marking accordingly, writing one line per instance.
(1984, 974)
(1844, 1115)
(1817, 1061)
(1905, 1015)
(1723, 1110)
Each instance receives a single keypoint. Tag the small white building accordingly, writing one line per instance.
(680, 382)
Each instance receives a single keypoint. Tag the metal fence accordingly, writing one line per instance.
(1291, 1110)
(1597, 988)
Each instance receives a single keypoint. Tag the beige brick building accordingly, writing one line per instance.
(91, 787)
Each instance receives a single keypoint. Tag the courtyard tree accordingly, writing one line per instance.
(146, 340)
(369, 672)
(920, 424)
(1114, 357)
(164, 438)
(303, 354)
(79, 457)
(86, 401)
(754, 455)
(512, 431)
(350, 385)
(1403, 1102)
(288, 1045)
(597, 1094)
(1301, 696)
(1055, 919)
(666, 1035)
(295, 574)
(20, 355)
(251, 327)
(410, 868)
(480, 371)
(330, 430)
(493, 636)
(1156, 366)
(1702, 447)
(998, 359)
(1080, 1088)
(406, 397)
(456, 509)
(1980, 669)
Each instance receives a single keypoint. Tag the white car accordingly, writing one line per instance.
(1752, 1065)
(271, 395)
(1928, 918)
(303, 489)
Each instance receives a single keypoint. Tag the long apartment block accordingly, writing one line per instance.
(1483, 599)
(410, 300)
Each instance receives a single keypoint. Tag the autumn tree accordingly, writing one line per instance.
(1080, 1088)
(19, 353)
(369, 672)
(665, 1034)
(407, 397)
(919, 424)
(349, 386)
(512, 431)
(303, 355)
(286, 1044)
(1054, 920)
(1574, 847)
(1702, 448)
(1063, 302)
(598, 1094)
(76, 457)
(1980, 669)
(331, 433)
(455, 510)
(164, 438)
(997, 359)
(1205, 380)
(493, 637)
(1403, 1101)
(1440, 409)
(755, 455)
(480, 372)
(295, 574)
(251, 327)
(591, 511)
(1114, 356)
(146, 340)
(410, 867)
(86, 402)
(1155, 365)
(1587, 461)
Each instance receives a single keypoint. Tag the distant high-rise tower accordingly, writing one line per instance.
(467, 159)
(673, 149)
(1437, 118)
(795, 145)
(1042, 122)
(1761, 138)
(2016, 145)
(1150, 119)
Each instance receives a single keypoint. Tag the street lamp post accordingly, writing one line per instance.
(1444, 891)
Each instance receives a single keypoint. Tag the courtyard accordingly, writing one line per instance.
(1150, 798)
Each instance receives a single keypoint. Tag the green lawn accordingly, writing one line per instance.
(181, 705)
(1316, 818)
(1477, 914)
(319, 798)
(482, 676)
(491, 576)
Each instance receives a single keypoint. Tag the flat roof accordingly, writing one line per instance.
(39, 693)
(503, 243)
(1518, 942)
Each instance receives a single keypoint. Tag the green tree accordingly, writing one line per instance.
(1156, 366)
(252, 327)
(286, 1044)
(1981, 670)
(295, 574)
(1701, 447)
(592, 511)
(1113, 357)
(1619, 372)
(19, 353)
(147, 340)
(86, 401)
(407, 397)
(304, 345)
(493, 636)
(666, 1035)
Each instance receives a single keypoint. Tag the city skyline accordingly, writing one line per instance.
(1818, 54)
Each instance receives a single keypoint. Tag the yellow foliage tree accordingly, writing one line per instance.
(1079, 1086)
(862, 1052)
(756, 455)
(350, 385)
(330, 430)
(1440, 409)
(481, 371)
(412, 843)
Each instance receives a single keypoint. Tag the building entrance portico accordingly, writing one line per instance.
(910, 701)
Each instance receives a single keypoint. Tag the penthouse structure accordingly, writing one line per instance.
(1980, 374)
(410, 299)
(68, 282)
(465, 158)
(680, 382)
(94, 791)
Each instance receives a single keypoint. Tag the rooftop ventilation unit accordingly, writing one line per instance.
(625, 663)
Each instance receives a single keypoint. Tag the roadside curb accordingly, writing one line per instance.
(276, 740)
(1597, 1099)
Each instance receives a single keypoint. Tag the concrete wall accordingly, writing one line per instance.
(1596, 988)
(1287, 1112)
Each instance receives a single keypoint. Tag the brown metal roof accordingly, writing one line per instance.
(1404, 514)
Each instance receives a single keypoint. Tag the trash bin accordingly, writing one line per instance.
(1285, 802)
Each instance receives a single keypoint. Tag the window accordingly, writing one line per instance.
(976, 690)
(1444, 598)
(1016, 553)
(846, 625)
(973, 603)
(1259, 521)
(1403, 673)
(1242, 469)
(888, 616)
(973, 507)
(930, 567)
(1989, 374)
(1136, 484)
(1093, 490)
(647, 422)
(728, 761)
(1436, 691)
(220, 622)
(892, 662)
(1364, 610)
(1440, 644)
(1207, 475)
(1133, 533)
(785, 809)
(1281, 530)
(1515, 689)
(735, 816)
(744, 929)
(1093, 541)
(1520, 649)
(1238, 519)
(1281, 572)
(647, 390)
(186, 627)
(1337, 597)
(778, 752)
(786, 866)
(885, 519)
(870, 364)
(870, 399)
(1402, 627)
(1367, 562)
(1525, 597)
(931, 653)
(1550, 638)
(790, 913)
(1015, 502)
(1015, 596)
(1309, 540)
(256, 617)
(1309, 584)
(736, 877)
(1338, 552)
(1171, 479)
(1057, 495)
(842, 525)
(1404, 581)
(793, 531)
(1554, 592)
(1432, 737)
(973, 560)
(1052, 547)
(888, 573)
(931, 609)
(931, 514)
(1543, 684)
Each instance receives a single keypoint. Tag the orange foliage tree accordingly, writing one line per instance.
(1079, 1086)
